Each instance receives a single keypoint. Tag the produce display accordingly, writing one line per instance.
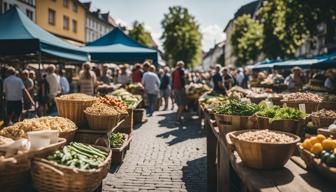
(128, 98)
(135, 88)
(101, 109)
(212, 100)
(281, 113)
(78, 155)
(329, 98)
(20, 129)
(77, 96)
(197, 89)
(323, 113)
(302, 97)
(117, 139)
(265, 136)
(323, 148)
(117, 104)
(236, 107)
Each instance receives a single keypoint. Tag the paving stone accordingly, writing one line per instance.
(163, 157)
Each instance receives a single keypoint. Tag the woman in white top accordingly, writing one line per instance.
(87, 80)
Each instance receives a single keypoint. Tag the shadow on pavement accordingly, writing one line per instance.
(189, 129)
(194, 175)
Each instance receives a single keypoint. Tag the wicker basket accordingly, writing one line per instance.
(107, 122)
(322, 122)
(228, 123)
(290, 126)
(68, 135)
(327, 105)
(310, 106)
(49, 177)
(15, 171)
(257, 100)
(73, 110)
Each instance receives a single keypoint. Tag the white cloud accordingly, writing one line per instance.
(211, 34)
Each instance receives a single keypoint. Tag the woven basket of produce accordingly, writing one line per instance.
(310, 100)
(15, 170)
(72, 106)
(235, 115)
(82, 170)
(323, 118)
(286, 119)
(19, 130)
(319, 156)
(101, 116)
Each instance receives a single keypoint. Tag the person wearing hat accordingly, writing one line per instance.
(178, 83)
(124, 78)
(295, 80)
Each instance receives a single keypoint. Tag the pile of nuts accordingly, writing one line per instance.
(323, 113)
(101, 109)
(265, 136)
(19, 129)
(303, 97)
(78, 97)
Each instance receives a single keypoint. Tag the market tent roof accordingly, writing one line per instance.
(116, 46)
(19, 35)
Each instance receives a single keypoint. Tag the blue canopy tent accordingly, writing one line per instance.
(20, 36)
(116, 46)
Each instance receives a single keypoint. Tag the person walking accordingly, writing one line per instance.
(165, 87)
(87, 80)
(178, 83)
(137, 73)
(228, 79)
(218, 85)
(124, 77)
(54, 86)
(151, 83)
(105, 77)
(64, 83)
(14, 91)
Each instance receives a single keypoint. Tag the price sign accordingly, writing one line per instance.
(302, 107)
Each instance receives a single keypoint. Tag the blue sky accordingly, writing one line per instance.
(212, 15)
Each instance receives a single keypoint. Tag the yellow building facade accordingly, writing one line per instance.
(64, 18)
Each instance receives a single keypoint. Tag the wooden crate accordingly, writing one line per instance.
(119, 154)
(90, 136)
(138, 115)
(127, 125)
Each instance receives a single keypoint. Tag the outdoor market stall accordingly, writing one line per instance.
(22, 41)
(239, 161)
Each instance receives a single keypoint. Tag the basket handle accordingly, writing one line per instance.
(101, 141)
(45, 165)
(230, 145)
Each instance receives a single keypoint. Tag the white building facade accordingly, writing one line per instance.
(26, 6)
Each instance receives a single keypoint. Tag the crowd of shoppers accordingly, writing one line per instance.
(26, 89)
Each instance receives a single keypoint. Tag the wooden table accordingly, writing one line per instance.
(226, 171)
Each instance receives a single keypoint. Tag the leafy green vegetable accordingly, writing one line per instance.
(281, 113)
(78, 155)
(117, 140)
(236, 107)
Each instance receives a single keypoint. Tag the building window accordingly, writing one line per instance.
(51, 17)
(29, 14)
(74, 26)
(66, 3)
(74, 7)
(31, 2)
(65, 22)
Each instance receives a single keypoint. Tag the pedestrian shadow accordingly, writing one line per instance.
(190, 129)
(195, 175)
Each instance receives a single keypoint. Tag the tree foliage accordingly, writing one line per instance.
(287, 24)
(139, 34)
(181, 37)
(246, 39)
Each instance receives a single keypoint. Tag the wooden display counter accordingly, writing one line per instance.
(226, 171)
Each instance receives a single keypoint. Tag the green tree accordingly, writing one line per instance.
(181, 37)
(139, 34)
(287, 24)
(246, 39)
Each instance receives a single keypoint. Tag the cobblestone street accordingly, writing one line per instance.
(163, 157)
